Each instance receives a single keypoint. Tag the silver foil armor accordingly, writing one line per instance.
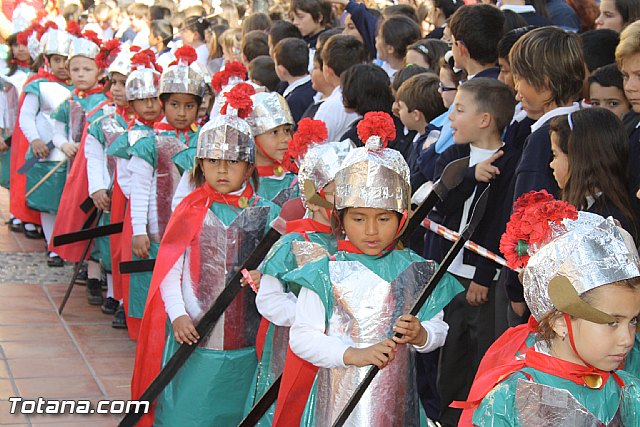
(77, 120)
(591, 251)
(539, 405)
(52, 94)
(373, 177)
(181, 78)
(167, 178)
(142, 84)
(270, 110)
(56, 42)
(321, 163)
(222, 251)
(83, 47)
(366, 308)
(111, 129)
(226, 137)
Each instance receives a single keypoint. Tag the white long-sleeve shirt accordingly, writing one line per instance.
(171, 291)
(185, 186)
(144, 209)
(274, 304)
(124, 176)
(36, 126)
(333, 114)
(308, 340)
(60, 134)
(97, 170)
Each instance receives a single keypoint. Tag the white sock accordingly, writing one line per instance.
(29, 227)
(47, 219)
(109, 285)
(93, 270)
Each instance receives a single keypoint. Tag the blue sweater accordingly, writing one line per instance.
(300, 99)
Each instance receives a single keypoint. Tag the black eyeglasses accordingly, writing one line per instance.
(443, 88)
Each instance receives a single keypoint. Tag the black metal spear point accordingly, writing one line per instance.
(476, 217)
(452, 176)
(207, 323)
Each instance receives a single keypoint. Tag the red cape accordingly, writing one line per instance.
(295, 386)
(18, 187)
(76, 190)
(118, 207)
(133, 323)
(183, 227)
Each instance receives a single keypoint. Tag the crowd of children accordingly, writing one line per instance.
(198, 131)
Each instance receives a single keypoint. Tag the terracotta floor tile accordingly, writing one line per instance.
(108, 348)
(61, 387)
(4, 371)
(75, 421)
(97, 333)
(6, 390)
(32, 332)
(112, 366)
(19, 290)
(7, 418)
(22, 317)
(30, 303)
(48, 367)
(41, 348)
(117, 386)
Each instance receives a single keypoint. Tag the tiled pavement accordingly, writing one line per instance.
(74, 356)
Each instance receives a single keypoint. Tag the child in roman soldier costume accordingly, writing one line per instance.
(372, 284)
(306, 239)
(208, 237)
(154, 175)
(272, 125)
(70, 119)
(581, 281)
(141, 93)
(101, 168)
(42, 97)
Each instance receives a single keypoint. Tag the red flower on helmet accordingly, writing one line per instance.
(240, 98)
(186, 53)
(377, 123)
(309, 132)
(108, 53)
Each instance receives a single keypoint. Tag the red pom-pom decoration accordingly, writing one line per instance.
(187, 54)
(108, 53)
(145, 59)
(92, 36)
(23, 37)
(240, 98)
(530, 225)
(48, 26)
(74, 29)
(309, 132)
(236, 69)
(377, 123)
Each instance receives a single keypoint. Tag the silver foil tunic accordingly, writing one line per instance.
(167, 176)
(77, 120)
(284, 196)
(220, 252)
(365, 309)
(111, 129)
(52, 94)
(539, 405)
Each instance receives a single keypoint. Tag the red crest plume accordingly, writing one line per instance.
(74, 29)
(240, 98)
(145, 59)
(309, 132)
(377, 123)
(529, 225)
(92, 36)
(108, 53)
(48, 26)
(186, 53)
(232, 69)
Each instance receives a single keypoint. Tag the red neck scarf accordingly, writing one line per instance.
(147, 123)
(44, 74)
(125, 112)
(85, 93)
(239, 201)
(166, 127)
(307, 225)
(348, 246)
(18, 63)
(273, 170)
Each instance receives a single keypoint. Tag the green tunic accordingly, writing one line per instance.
(185, 159)
(212, 386)
(316, 277)
(499, 407)
(279, 261)
(271, 187)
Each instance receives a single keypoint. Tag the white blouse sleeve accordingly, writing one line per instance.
(274, 304)
(27, 119)
(171, 291)
(60, 135)
(307, 338)
(96, 164)
(141, 182)
(437, 330)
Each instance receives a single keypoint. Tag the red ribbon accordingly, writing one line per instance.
(307, 225)
(85, 93)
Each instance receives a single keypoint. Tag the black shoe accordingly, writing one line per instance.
(16, 227)
(94, 292)
(81, 279)
(109, 306)
(55, 261)
(32, 234)
(103, 286)
(119, 320)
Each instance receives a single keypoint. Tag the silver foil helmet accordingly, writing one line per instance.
(122, 62)
(227, 137)
(373, 176)
(143, 81)
(56, 42)
(590, 252)
(183, 77)
(81, 46)
(270, 110)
